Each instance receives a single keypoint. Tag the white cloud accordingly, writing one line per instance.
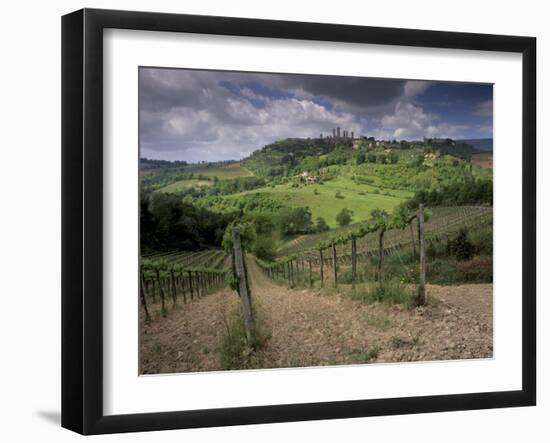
(411, 122)
(484, 109)
(198, 115)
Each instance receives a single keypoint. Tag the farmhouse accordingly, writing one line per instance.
(306, 177)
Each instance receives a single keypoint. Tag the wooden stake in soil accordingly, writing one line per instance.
(422, 277)
(243, 287)
(182, 282)
(310, 275)
(190, 276)
(380, 254)
(143, 301)
(353, 261)
(334, 265)
(321, 266)
(163, 307)
(173, 284)
(413, 240)
(153, 293)
(366, 258)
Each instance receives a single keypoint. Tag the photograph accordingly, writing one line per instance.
(295, 220)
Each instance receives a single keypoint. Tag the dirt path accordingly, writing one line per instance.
(311, 328)
(187, 340)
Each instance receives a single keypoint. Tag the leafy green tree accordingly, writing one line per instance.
(360, 158)
(393, 158)
(321, 225)
(264, 248)
(263, 222)
(371, 157)
(344, 217)
(295, 221)
(382, 159)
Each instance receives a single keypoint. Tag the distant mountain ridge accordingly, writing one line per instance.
(482, 144)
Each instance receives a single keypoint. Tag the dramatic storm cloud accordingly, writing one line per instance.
(213, 115)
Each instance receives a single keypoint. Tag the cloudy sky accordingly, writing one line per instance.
(215, 115)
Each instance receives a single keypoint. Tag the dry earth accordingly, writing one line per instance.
(310, 328)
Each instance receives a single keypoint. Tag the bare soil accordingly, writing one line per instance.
(310, 327)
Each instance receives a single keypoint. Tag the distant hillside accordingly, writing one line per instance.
(483, 144)
(277, 158)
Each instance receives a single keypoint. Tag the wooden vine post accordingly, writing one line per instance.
(242, 286)
(381, 253)
(366, 258)
(310, 273)
(190, 278)
(413, 240)
(143, 301)
(334, 264)
(321, 267)
(421, 248)
(182, 284)
(154, 291)
(163, 307)
(173, 287)
(353, 261)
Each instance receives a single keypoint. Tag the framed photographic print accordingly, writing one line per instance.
(269, 221)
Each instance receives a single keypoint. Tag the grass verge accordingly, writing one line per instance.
(390, 292)
(235, 351)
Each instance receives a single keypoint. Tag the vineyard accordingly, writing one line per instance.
(444, 221)
(319, 260)
(304, 264)
(190, 275)
(192, 317)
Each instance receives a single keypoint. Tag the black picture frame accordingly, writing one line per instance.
(82, 219)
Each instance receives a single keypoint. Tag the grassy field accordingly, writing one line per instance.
(184, 184)
(323, 202)
(232, 170)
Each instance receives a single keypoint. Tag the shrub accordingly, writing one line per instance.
(364, 355)
(393, 158)
(321, 225)
(344, 217)
(235, 352)
(390, 292)
(295, 221)
(338, 194)
(264, 248)
(461, 247)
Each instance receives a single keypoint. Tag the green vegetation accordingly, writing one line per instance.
(379, 322)
(344, 217)
(321, 225)
(223, 172)
(235, 351)
(389, 292)
(357, 197)
(364, 355)
(300, 194)
(185, 184)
